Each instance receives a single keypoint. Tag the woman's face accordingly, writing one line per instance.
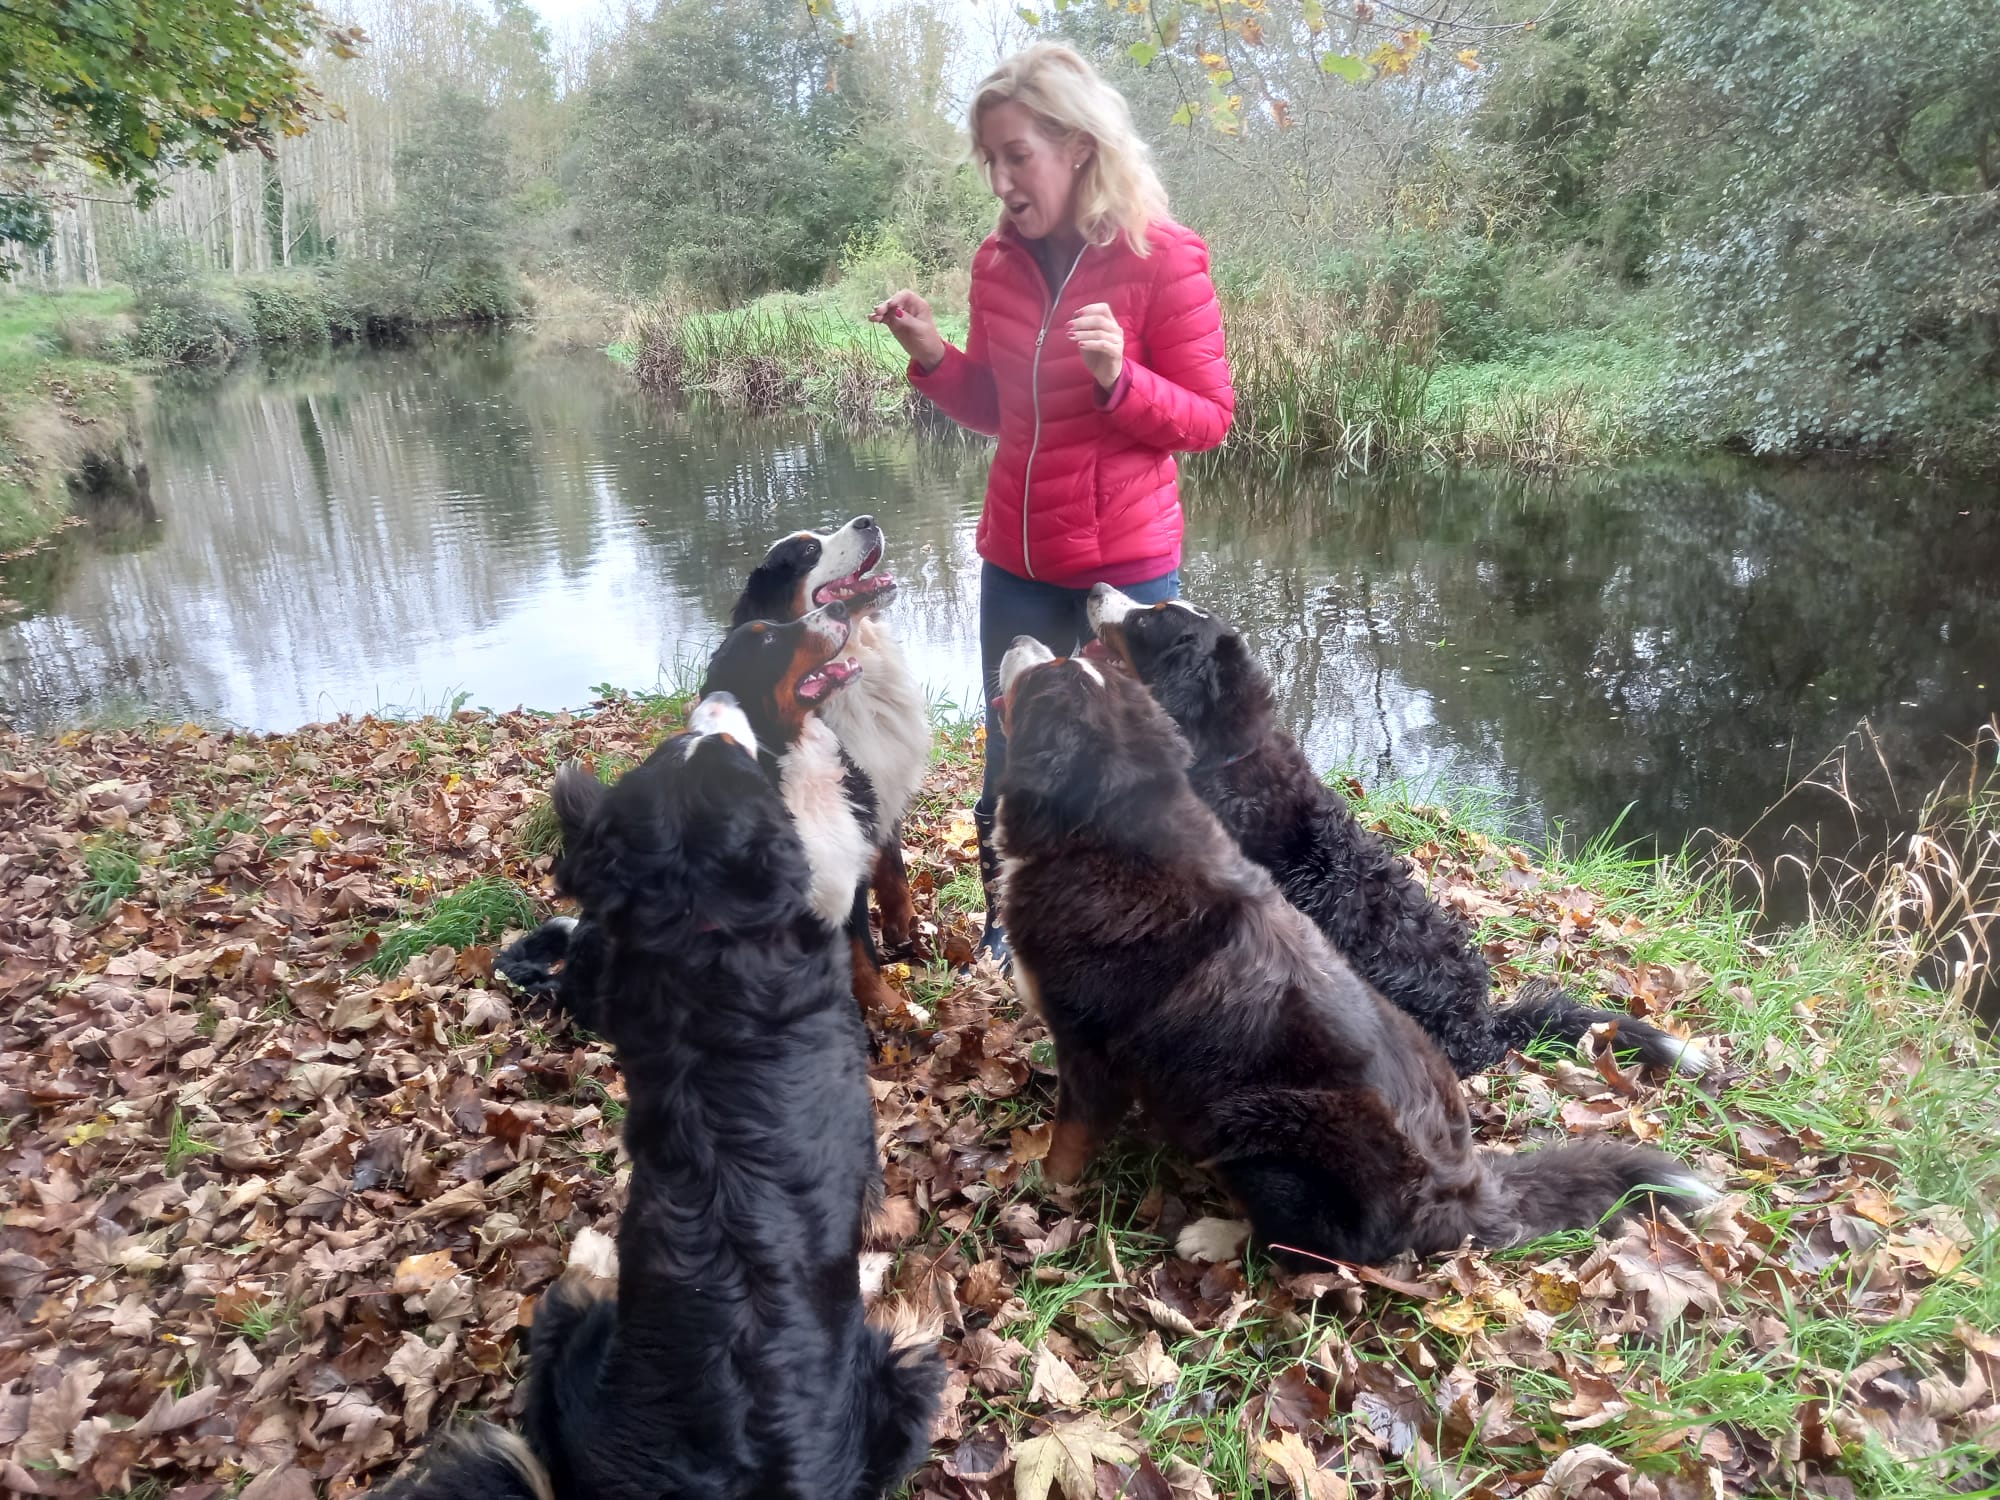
(1032, 176)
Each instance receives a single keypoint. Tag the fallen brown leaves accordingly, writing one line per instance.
(269, 1219)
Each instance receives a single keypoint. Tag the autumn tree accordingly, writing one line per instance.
(137, 88)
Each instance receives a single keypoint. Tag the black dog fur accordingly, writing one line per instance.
(780, 675)
(735, 1361)
(1173, 973)
(1358, 892)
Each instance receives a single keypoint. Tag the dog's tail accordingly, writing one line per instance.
(903, 1390)
(1577, 1186)
(1542, 1012)
(475, 1462)
(568, 1346)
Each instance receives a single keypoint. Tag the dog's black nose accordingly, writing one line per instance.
(864, 523)
(1101, 591)
(836, 611)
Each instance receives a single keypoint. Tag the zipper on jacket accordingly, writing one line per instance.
(1035, 400)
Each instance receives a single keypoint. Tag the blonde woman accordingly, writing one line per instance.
(1094, 355)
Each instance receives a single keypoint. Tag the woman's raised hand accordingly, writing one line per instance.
(908, 317)
(1101, 342)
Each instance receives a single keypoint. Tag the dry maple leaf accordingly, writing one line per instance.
(419, 1273)
(1584, 1470)
(1296, 1402)
(1149, 1365)
(1657, 1260)
(1055, 1382)
(996, 1362)
(982, 1287)
(1066, 1457)
(1288, 1458)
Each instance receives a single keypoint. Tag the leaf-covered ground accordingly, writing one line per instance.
(282, 1170)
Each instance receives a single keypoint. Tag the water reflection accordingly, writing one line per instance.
(346, 533)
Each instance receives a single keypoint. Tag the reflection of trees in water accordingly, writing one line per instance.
(346, 530)
(1686, 639)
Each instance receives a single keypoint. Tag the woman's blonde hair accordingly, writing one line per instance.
(1118, 191)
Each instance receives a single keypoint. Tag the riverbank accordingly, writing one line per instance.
(1362, 384)
(72, 363)
(268, 1100)
(1310, 380)
(68, 406)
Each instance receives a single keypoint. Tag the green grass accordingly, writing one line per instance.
(1809, 1014)
(262, 1319)
(111, 873)
(784, 352)
(209, 835)
(963, 892)
(182, 1147)
(476, 912)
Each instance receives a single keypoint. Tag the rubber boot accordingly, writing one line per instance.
(992, 941)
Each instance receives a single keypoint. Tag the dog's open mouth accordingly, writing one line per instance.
(861, 586)
(827, 679)
(1108, 646)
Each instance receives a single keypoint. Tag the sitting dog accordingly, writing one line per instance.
(1172, 972)
(1416, 953)
(881, 720)
(735, 1361)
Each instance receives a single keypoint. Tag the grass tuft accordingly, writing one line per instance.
(476, 912)
(112, 869)
(182, 1146)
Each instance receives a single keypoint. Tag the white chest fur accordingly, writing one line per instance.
(883, 722)
(811, 781)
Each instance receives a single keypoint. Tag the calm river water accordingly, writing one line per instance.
(380, 530)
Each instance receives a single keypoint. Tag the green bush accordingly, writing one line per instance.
(287, 309)
(189, 327)
(372, 298)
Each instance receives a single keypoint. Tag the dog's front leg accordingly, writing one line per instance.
(1090, 1101)
(892, 894)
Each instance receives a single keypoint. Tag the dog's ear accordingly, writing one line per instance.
(760, 593)
(578, 796)
(1206, 686)
(1047, 748)
(584, 870)
(748, 870)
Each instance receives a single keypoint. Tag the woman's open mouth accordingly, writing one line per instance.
(858, 585)
(827, 679)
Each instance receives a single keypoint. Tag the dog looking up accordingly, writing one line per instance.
(1253, 775)
(735, 1361)
(882, 720)
(1172, 973)
(782, 677)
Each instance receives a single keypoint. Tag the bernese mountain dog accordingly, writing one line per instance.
(878, 716)
(735, 1359)
(882, 720)
(781, 676)
(1172, 973)
(1252, 774)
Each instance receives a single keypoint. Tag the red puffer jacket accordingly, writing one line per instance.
(1082, 488)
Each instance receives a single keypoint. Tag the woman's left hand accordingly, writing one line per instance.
(1101, 341)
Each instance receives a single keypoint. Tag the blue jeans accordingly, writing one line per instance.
(1011, 606)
